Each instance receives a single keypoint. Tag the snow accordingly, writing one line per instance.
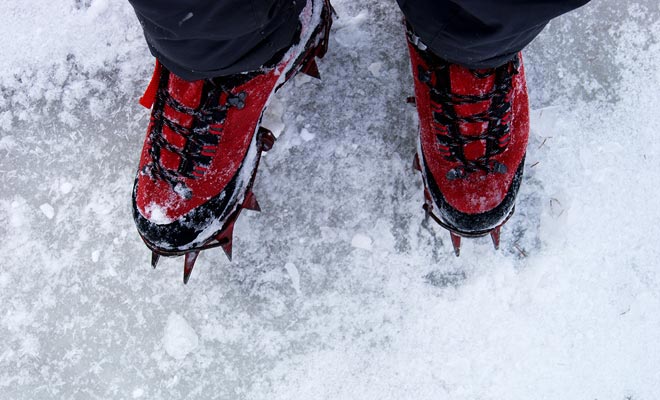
(157, 214)
(566, 309)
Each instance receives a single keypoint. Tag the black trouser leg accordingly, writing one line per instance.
(207, 38)
(481, 33)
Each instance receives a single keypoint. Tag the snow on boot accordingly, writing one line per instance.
(473, 132)
(204, 143)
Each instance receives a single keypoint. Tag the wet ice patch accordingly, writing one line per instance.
(443, 279)
(179, 338)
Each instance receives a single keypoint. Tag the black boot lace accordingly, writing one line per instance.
(446, 122)
(201, 138)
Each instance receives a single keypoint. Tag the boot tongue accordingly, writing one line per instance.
(464, 82)
(185, 92)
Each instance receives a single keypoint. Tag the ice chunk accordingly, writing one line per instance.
(66, 187)
(292, 270)
(302, 79)
(306, 135)
(273, 117)
(375, 68)
(48, 210)
(361, 241)
(180, 338)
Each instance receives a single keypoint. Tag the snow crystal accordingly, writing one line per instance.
(179, 338)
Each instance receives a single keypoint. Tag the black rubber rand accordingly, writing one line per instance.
(472, 224)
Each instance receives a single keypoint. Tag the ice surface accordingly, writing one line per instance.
(568, 309)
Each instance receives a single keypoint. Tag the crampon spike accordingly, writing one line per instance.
(495, 236)
(311, 69)
(456, 242)
(416, 164)
(266, 138)
(228, 249)
(189, 264)
(226, 239)
(251, 202)
(154, 259)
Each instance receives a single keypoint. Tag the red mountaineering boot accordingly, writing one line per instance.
(203, 146)
(474, 126)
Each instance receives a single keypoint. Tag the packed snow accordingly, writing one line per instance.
(339, 288)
